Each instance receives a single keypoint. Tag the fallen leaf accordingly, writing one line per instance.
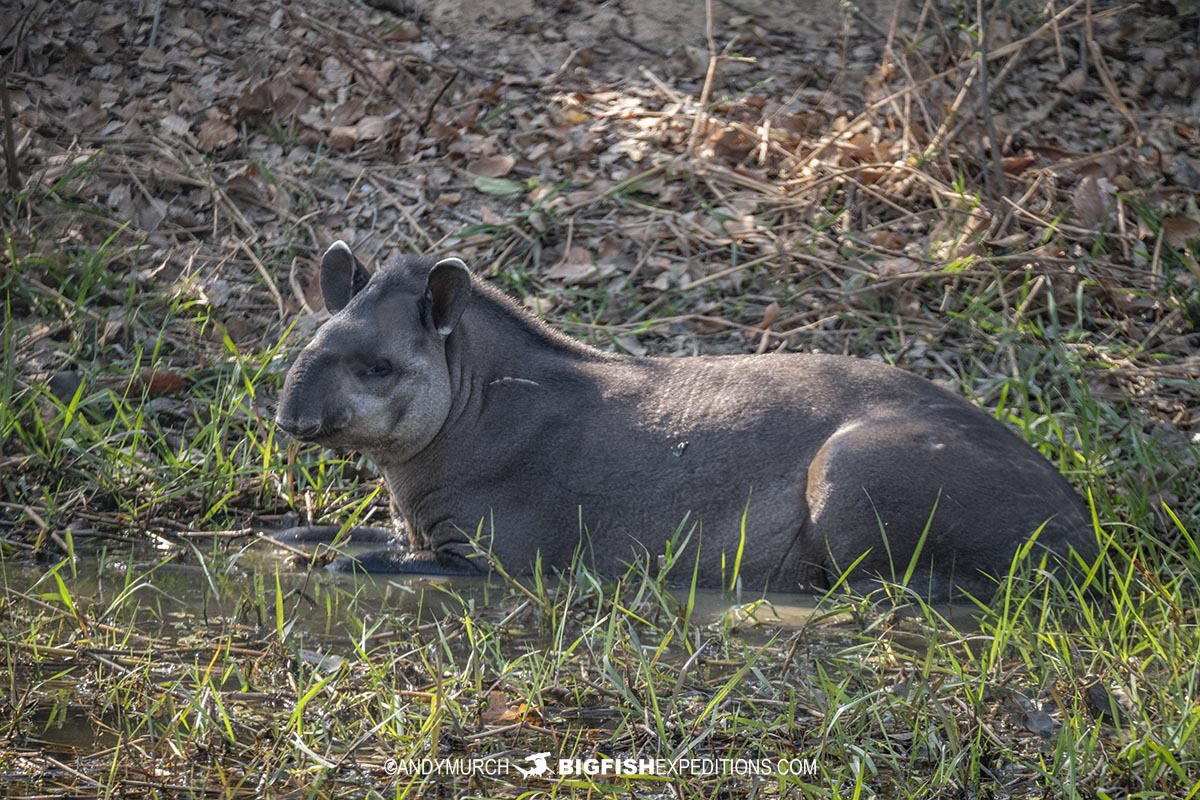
(492, 166)
(370, 128)
(150, 214)
(347, 114)
(343, 137)
(214, 134)
(248, 179)
(489, 217)
(498, 187)
(162, 381)
(1015, 165)
(1028, 715)
(1074, 81)
(175, 125)
(891, 267)
(86, 118)
(577, 267)
(497, 709)
(406, 32)
(256, 99)
(770, 314)
(630, 344)
(1179, 232)
(152, 58)
(334, 73)
(1091, 208)
(886, 240)
(732, 143)
(574, 116)
(540, 306)
(382, 70)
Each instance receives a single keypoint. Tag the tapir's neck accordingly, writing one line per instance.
(497, 340)
(510, 376)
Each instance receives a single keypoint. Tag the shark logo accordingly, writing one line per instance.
(539, 768)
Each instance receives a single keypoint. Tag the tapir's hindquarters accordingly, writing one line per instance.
(967, 497)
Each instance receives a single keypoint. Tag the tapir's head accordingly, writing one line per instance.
(375, 376)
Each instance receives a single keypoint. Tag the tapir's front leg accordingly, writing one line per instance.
(411, 562)
(399, 557)
(325, 534)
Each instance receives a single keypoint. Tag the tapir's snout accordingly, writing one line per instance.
(309, 427)
(309, 408)
(300, 427)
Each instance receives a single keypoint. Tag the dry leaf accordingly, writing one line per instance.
(540, 306)
(577, 268)
(150, 214)
(382, 70)
(492, 166)
(497, 710)
(1180, 231)
(732, 143)
(86, 118)
(347, 113)
(162, 381)
(1091, 207)
(248, 179)
(256, 99)
(175, 125)
(1074, 81)
(770, 314)
(574, 116)
(334, 73)
(886, 240)
(152, 58)
(630, 344)
(370, 128)
(1015, 165)
(406, 32)
(214, 134)
(892, 267)
(343, 137)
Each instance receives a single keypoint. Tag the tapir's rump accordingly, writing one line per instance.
(791, 467)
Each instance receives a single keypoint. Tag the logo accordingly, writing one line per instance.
(629, 767)
(539, 768)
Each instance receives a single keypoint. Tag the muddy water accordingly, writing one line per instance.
(183, 589)
(232, 596)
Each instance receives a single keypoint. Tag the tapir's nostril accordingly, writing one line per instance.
(299, 427)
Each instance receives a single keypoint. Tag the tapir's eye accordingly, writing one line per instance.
(380, 369)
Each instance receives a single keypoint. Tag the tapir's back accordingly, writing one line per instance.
(815, 454)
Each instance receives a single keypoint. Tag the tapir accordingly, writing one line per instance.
(505, 441)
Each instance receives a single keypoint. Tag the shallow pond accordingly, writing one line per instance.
(116, 606)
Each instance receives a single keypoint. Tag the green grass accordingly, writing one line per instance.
(313, 683)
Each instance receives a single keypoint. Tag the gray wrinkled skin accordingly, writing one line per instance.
(475, 411)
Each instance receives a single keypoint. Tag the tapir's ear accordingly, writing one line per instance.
(447, 290)
(342, 276)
